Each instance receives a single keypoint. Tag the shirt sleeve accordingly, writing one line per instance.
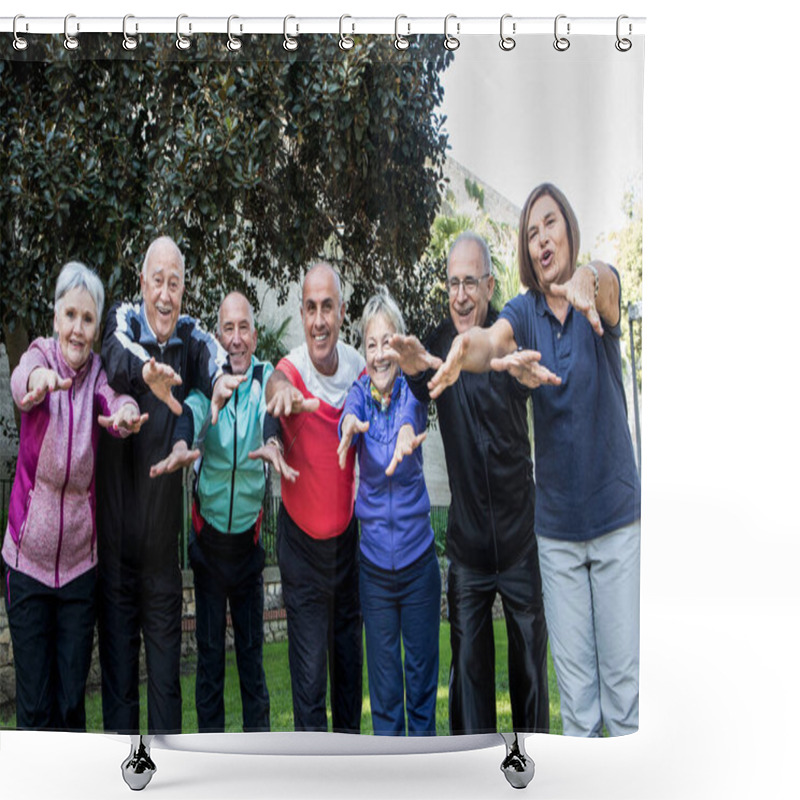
(414, 413)
(109, 402)
(33, 358)
(206, 358)
(516, 314)
(189, 424)
(353, 404)
(123, 356)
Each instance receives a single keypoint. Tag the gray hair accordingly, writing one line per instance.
(158, 243)
(337, 281)
(471, 236)
(381, 303)
(75, 275)
(250, 313)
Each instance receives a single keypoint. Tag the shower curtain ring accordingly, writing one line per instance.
(561, 43)
(289, 42)
(345, 42)
(128, 42)
(400, 41)
(623, 44)
(19, 42)
(182, 42)
(451, 42)
(70, 42)
(234, 43)
(507, 42)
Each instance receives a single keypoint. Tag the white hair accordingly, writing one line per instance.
(162, 241)
(75, 275)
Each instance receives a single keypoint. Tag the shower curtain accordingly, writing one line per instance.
(387, 158)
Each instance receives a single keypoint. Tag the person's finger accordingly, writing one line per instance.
(104, 422)
(174, 406)
(158, 469)
(419, 439)
(309, 404)
(344, 446)
(389, 471)
(559, 289)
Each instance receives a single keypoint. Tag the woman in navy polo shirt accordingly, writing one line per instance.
(562, 339)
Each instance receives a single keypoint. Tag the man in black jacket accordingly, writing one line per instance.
(156, 355)
(490, 540)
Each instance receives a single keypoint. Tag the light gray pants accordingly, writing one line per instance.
(591, 603)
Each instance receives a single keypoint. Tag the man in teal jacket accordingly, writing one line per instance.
(225, 553)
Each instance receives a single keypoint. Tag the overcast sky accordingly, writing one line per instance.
(518, 118)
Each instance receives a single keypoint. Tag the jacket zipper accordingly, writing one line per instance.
(233, 471)
(71, 397)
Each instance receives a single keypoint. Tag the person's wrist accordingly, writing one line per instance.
(593, 269)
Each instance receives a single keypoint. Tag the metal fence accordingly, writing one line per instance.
(268, 526)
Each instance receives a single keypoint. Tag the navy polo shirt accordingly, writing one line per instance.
(586, 478)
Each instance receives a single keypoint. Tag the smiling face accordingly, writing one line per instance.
(237, 334)
(322, 312)
(162, 288)
(468, 307)
(381, 371)
(548, 243)
(75, 324)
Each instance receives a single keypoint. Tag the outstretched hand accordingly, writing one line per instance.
(407, 443)
(351, 425)
(410, 355)
(525, 367)
(448, 372)
(272, 454)
(161, 378)
(41, 382)
(126, 418)
(288, 400)
(180, 457)
(224, 387)
(579, 291)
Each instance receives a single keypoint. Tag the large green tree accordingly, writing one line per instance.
(256, 162)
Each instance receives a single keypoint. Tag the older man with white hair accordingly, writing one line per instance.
(155, 354)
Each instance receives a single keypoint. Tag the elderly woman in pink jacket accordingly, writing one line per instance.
(49, 551)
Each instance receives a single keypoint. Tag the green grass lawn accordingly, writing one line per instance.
(276, 664)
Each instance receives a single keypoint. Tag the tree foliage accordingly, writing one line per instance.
(256, 163)
(628, 244)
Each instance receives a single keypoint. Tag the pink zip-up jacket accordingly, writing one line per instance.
(51, 529)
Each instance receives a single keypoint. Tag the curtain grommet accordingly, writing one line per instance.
(451, 42)
(128, 41)
(623, 44)
(561, 43)
(290, 43)
(507, 43)
(234, 43)
(182, 42)
(19, 42)
(400, 41)
(345, 42)
(70, 41)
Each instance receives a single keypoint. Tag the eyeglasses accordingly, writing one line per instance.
(469, 283)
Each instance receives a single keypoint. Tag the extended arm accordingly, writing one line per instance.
(597, 298)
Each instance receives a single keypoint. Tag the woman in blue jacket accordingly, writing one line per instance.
(400, 583)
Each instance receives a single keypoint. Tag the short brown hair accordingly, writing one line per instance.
(527, 275)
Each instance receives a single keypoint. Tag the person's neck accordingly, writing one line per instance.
(330, 365)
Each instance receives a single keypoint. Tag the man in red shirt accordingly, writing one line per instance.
(317, 532)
